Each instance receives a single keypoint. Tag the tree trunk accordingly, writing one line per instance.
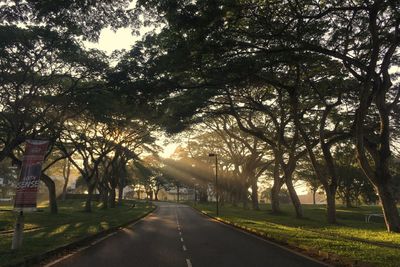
(254, 195)
(104, 198)
(203, 197)
(156, 194)
(88, 203)
(245, 199)
(330, 206)
(314, 192)
(177, 191)
(348, 200)
(51, 187)
(276, 188)
(111, 198)
(330, 187)
(120, 195)
(150, 194)
(66, 174)
(390, 211)
(275, 198)
(64, 190)
(235, 199)
(294, 197)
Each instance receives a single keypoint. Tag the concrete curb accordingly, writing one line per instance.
(32, 260)
(329, 259)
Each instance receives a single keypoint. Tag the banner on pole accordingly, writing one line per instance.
(28, 180)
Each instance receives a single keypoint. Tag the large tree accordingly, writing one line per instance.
(205, 47)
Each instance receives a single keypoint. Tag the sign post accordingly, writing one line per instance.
(18, 231)
(27, 186)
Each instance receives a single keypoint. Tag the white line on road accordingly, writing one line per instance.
(181, 239)
(184, 248)
(180, 233)
(104, 238)
(79, 250)
(189, 263)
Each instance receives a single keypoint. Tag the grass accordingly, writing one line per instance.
(352, 238)
(45, 231)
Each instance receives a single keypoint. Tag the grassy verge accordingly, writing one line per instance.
(47, 231)
(352, 239)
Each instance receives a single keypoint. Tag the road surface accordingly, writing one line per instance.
(177, 236)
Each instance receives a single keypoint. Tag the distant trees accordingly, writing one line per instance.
(353, 186)
(8, 175)
(241, 162)
(242, 157)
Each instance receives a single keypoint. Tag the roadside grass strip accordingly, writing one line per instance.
(351, 242)
(71, 224)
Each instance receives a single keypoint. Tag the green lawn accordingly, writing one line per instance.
(352, 238)
(49, 231)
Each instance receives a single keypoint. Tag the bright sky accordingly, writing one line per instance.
(110, 40)
(168, 149)
(121, 39)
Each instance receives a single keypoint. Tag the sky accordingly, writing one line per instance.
(110, 40)
(168, 149)
(120, 39)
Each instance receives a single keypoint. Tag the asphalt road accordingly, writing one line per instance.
(175, 235)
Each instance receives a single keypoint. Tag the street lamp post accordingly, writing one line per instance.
(194, 191)
(194, 186)
(216, 179)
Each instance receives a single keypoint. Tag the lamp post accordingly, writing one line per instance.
(216, 179)
(194, 190)
(194, 184)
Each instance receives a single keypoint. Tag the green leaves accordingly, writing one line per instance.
(79, 18)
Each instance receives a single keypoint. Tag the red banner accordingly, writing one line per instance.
(31, 170)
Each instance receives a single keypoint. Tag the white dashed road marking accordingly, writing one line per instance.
(188, 262)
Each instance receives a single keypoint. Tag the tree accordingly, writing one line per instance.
(353, 186)
(305, 173)
(90, 139)
(8, 175)
(73, 17)
(44, 70)
(42, 80)
(66, 175)
(246, 153)
(159, 183)
(342, 36)
(207, 47)
(320, 96)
